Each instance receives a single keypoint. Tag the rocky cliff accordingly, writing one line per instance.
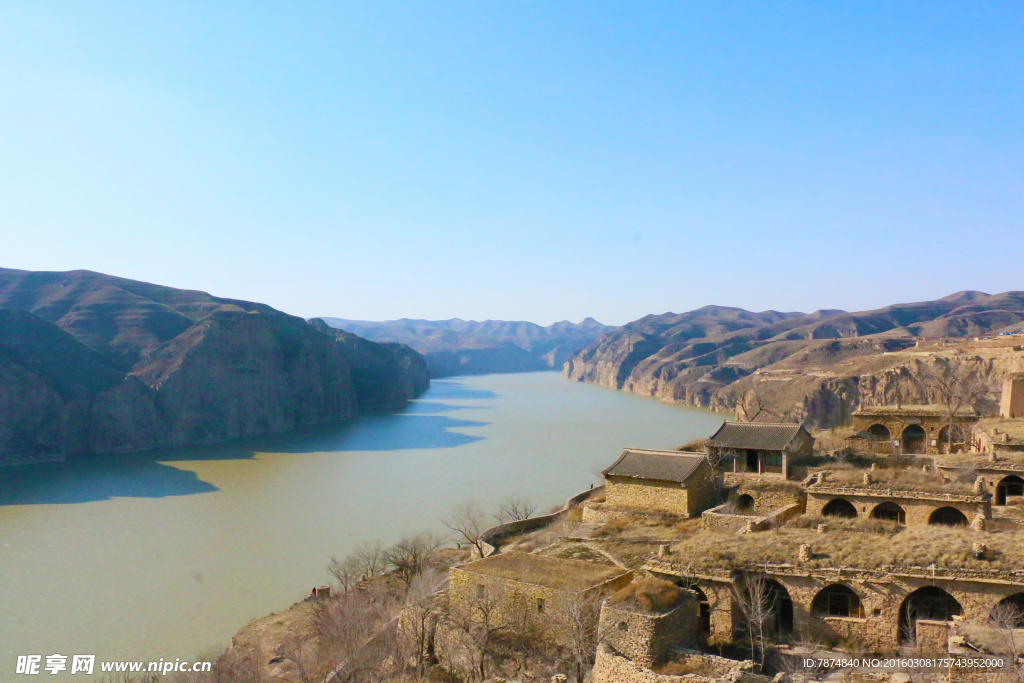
(91, 363)
(470, 347)
(814, 367)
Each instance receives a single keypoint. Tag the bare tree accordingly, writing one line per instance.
(347, 572)
(354, 633)
(1008, 620)
(420, 615)
(515, 509)
(750, 405)
(469, 522)
(757, 602)
(577, 622)
(957, 385)
(411, 555)
(369, 556)
(482, 622)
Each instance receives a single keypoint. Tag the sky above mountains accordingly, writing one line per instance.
(526, 160)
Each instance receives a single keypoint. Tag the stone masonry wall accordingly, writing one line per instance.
(610, 667)
(649, 495)
(645, 637)
(506, 599)
(917, 511)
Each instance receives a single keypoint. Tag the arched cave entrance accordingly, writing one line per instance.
(913, 439)
(880, 432)
(745, 503)
(944, 441)
(837, 600)
(930, 603)
(948, 516)
(1011, 485)
(776, 604)
(705, 611)
(1009, 612)
(839, 507)
(889, 511)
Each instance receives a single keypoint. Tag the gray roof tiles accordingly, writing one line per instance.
(755, 435)
(657, 465)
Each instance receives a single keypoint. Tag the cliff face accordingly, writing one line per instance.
(385, 374)
(816, 368)
(470, 347)
(94, 364)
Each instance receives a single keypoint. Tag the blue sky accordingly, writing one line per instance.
(519, 160)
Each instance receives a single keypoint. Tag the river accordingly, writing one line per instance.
(167, 554)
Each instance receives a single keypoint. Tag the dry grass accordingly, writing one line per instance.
(690, 665)
(576, 551)
(945, 547)
(896, 479)
(546, 571)
(651, 594)
(857, 525)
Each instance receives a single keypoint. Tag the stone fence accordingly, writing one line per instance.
(720, 519)
(494, 536)
(895, 493)
(611, 667)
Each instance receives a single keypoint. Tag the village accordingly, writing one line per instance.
(752, 555)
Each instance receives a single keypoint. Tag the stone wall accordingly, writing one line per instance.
(881, 596)
(918, 507)
(494, 536)
(721, 519)
(472, 594)
(933, 636)
(663, 496)
(611, 667)
(689, 498)
(647, 638)
(768, 495)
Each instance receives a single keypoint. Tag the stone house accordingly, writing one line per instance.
(1003, 480)
(909, 508)
(872, 611)
(672, 482)
(513, 588)
(760, 448)
(909, 430)
(1011, 404)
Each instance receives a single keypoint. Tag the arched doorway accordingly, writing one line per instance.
(879, 432)
(745, 503)
(948, 444)
(776, 605)
(930, 603)
(837, 600)
(889, 511)
(1011, 485)
(752, 461)
(705, 610)
(839, 507)
(1009, 612)
(948, 516)
(913, 439)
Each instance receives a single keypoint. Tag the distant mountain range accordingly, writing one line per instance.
(469, 347)
(91, 363)
(709, 356)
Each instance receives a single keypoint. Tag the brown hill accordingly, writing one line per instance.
(95, 363)
(807, 366)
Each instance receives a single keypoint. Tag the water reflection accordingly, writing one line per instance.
(83, 479)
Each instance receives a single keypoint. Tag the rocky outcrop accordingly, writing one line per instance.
(385, 374)
(815, 368)
(95, 364)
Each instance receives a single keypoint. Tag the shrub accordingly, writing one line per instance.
(650, 593)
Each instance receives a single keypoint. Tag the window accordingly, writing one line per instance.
(540, 604)
(773, 460)
(623, 626)
(480, 592)
(837, 601)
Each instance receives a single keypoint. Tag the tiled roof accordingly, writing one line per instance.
(756, 435)
(659, 465)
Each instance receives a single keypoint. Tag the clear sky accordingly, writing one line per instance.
(518, 160)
